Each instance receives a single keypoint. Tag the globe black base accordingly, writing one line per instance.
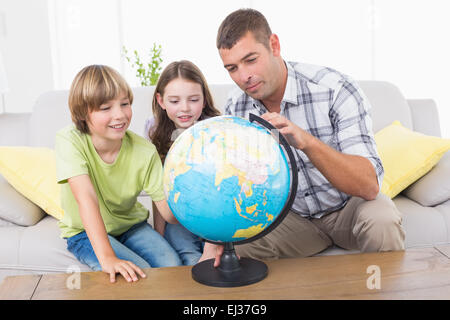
(232, 272)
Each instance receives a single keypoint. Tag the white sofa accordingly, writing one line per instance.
(37, 248)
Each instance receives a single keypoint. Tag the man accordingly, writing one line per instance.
(325, 117)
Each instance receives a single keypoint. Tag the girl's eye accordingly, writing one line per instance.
(194, 100)
(125, 104)
(173, 101)
(104, 108)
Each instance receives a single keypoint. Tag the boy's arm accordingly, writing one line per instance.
(158, 221)
(87, 201)
(165, 211)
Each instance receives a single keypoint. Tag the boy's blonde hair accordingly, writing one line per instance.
(93, 86)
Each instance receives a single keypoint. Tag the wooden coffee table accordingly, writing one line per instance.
(412, 274)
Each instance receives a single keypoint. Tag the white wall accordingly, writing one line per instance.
(402, 41)
(26, 51)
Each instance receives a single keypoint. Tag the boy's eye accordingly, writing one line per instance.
(125, 104)
(104, 108)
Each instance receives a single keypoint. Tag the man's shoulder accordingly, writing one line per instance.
(237, 95)
(317, 75)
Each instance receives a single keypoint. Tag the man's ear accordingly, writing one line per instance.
(275, 45)
(160, 100)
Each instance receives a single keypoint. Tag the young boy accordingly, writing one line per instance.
(102, 168)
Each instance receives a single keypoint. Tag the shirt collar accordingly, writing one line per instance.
(291, 90)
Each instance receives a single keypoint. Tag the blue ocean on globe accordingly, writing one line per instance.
(226, 179)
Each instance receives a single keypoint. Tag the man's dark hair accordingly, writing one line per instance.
(238, 23)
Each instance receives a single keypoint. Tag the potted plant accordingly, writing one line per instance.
(147, 72)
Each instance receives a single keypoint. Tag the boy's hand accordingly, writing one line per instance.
(126, 268)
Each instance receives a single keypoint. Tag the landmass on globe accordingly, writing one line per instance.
(226, 179)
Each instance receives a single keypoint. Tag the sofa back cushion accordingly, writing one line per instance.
(388, 104)
(51, 112)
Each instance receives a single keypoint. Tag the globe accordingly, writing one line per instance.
(226, 179)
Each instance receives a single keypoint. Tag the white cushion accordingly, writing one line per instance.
(434, 187)
(15, 208)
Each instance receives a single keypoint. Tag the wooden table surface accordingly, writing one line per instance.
(412, 274)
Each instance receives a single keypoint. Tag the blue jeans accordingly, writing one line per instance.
(141, 244)
(188, 246)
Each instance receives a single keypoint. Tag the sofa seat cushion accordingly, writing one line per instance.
(37, 248)
(424, 226)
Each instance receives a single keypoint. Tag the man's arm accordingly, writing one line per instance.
(354, 175)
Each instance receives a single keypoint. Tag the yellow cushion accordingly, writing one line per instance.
(32, 172)
(406, 156)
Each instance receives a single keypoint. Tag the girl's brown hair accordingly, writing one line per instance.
(161, 132)
(93, 86)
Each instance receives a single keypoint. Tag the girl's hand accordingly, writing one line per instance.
(126, 268)
(212, 251)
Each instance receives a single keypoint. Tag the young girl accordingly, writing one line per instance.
(102, 168)
(181, 98)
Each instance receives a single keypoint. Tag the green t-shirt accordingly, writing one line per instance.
(136, 168)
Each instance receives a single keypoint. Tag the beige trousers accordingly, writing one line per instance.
(365, 225)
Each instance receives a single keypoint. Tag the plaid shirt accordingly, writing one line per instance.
(331, 107)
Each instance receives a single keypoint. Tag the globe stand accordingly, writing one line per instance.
(235, 272)
(232, 272)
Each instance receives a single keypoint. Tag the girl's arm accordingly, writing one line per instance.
(165, 211)
(158, 221)
(87, 201)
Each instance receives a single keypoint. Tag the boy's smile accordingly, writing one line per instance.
(110, 121)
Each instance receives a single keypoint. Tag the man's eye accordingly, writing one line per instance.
(251, 60)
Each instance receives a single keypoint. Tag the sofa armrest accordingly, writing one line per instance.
(425, 116)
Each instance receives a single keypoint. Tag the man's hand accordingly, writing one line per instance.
(351, 174)
(127, 269)
(295, 136)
